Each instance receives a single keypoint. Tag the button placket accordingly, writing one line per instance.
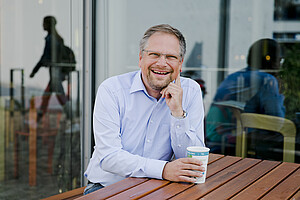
(150, 132)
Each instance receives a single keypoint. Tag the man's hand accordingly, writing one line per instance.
(181, 170)
(173, 95)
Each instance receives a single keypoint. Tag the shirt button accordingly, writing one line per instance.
(151, 121)
(178, 126)
(148, 140)
(179, 145)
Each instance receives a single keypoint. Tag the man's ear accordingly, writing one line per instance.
(140, 59)
(181, 65)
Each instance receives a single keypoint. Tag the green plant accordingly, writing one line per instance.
(290, 78)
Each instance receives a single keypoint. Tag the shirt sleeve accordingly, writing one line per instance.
(188, 131)
(267, 100)
(271, 101)
(108, 144)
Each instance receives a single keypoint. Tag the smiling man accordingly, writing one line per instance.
(143, 119)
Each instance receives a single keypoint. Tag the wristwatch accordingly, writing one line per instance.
(183, 116)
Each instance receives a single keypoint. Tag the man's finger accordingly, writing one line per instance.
(177, 80)
(192, 173)
(163, 92)
(187, 179)
(191, 161)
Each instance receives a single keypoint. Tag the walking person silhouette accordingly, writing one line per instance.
(51, 58)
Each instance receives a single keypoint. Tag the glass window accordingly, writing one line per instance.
(121, 24)
(235, 51)
(40, 65)
(287, 10)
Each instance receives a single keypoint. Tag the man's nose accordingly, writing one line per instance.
(162, 60)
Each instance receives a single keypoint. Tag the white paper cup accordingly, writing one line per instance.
(202, 154)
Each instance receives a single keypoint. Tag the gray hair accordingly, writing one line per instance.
(165, 28)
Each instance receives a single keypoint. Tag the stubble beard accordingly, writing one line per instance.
(158, 85)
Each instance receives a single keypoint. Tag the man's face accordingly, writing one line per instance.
(159, 71)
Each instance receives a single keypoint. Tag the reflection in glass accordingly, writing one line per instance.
(39, 126)
(287, 10)
(251, 90)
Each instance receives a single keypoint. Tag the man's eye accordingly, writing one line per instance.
(154, 54)
(171, 57)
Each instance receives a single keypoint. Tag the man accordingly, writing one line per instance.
(143, 118)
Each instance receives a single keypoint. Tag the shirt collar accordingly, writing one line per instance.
(137, 84)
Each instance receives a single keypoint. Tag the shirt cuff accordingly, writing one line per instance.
(154, 168)
(180, 125)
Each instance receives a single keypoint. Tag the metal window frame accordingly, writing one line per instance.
(88, 76)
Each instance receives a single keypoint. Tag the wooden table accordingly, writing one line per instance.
(227, 177)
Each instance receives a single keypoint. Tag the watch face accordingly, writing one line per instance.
(184, 114)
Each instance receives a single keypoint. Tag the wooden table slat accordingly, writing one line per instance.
(115, 188)
(221, 164)
(296, 196)
(73, 194)
(214, 157)
(240, 182)
(217, 180)
(287, 188)
(168, 191)
(140, 190)
(266, 183)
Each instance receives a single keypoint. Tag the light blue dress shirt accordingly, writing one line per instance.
(135, 135)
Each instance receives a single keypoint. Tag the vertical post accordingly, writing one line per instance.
(2, 139)
(78, 95)
(223, 39)
(22, 93)
(88, 80)
(7, 122)
(11, 107)
(69, 85)
(239, 136)
(32, 142)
